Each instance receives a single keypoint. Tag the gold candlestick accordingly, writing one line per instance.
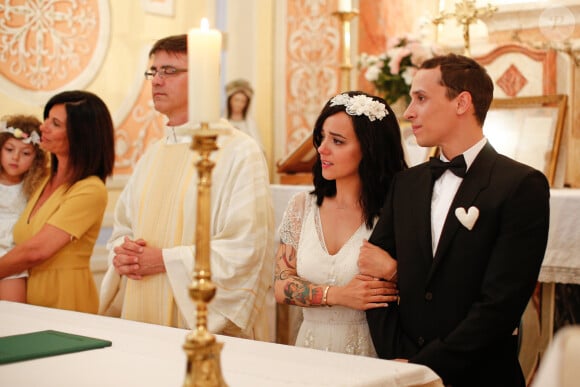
(345, 18)
(201, 347)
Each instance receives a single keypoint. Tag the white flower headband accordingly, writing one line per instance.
(361, 104)
(18, 133)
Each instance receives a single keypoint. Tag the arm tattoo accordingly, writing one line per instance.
(297, 291)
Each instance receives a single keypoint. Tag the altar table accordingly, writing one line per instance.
(561, 265)
(152, 355)
(562, 260)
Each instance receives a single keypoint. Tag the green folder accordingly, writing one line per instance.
(45, 343)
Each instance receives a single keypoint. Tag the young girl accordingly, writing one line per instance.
(22, 167)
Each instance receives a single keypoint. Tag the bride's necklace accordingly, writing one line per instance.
(346, 206)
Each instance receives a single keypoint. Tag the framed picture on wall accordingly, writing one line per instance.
(159, 7)
(528, 129)
(414, 153)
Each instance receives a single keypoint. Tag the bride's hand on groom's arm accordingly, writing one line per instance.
(363, 292)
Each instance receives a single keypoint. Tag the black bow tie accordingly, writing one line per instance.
(457, 166)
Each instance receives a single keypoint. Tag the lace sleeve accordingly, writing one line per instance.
(294, 215)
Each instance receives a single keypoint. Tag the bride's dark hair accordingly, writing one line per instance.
(382, 156)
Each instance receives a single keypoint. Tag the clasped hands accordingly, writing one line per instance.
(134, 259)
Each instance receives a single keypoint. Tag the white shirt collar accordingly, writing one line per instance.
(471, 153)
(178, 134)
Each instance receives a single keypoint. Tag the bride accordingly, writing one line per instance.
(358, 141)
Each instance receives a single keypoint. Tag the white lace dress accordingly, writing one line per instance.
(12, 203)
(338, 328)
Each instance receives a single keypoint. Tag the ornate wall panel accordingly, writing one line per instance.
(139, 128)
(312, 64)
(48, 45)
(137, 123)
(519, 71)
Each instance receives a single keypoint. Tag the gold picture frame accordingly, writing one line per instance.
(414, 153)
(528, 129)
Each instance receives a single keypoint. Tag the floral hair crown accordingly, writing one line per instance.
(361, 104)
(18, 133)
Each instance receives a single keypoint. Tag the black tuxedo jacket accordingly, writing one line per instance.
(458, 310)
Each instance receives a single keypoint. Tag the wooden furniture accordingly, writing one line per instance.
(296, 167)
(287, 317)
(528, 129)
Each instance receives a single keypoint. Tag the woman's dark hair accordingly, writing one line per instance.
(90, 132)
(382, 156)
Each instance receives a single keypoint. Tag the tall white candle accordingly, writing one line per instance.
(203, 51)
(344, 5)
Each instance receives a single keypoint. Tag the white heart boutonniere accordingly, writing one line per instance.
(468, 218)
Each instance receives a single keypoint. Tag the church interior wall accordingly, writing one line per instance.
(257, 45)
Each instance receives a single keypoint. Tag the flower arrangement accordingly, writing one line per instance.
(392, 71)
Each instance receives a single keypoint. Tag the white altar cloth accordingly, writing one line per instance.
(561, 265)
(152, 355)
(562, 260)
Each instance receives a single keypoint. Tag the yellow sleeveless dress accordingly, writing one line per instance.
(65, 281)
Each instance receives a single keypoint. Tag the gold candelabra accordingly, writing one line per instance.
(201, 347)
(466, 14)
(345, 18)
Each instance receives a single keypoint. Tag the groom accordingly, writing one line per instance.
(469, 237)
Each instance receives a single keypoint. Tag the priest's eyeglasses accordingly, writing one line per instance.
(163, 72)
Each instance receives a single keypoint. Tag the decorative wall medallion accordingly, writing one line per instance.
(47, 46)
(512, 81)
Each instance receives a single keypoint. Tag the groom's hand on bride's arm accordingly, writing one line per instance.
(376, 262)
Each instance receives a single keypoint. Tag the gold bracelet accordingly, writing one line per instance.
(324, 295)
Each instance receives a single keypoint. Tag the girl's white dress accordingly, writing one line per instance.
(336, 328)
(12, 203)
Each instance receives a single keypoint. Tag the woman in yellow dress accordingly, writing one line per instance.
(57, 230)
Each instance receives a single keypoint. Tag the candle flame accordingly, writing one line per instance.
(204, 24)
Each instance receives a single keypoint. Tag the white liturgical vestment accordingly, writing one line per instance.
(158, 205)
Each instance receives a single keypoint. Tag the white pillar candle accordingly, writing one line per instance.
(203, 51)
(344, 5)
